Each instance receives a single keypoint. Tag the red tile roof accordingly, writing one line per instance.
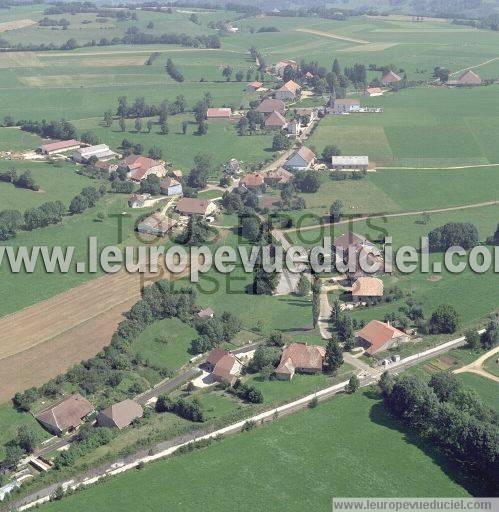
(390, 78)
(470, 77)
(290, 86)
(267, 106)
(255, 85)
(55, 146)
(193, 206)
(121, 414)
(377, 334)
(252, 180)
(307, 154)
(215, 355)
(138, 165)
(219, 113)
(66, 414)
(301, 357)
(276, 120)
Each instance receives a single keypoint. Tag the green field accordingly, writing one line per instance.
(260, 467)
(165, 343)
(491, 365)
(423, 127)
(487, 389)
(56, 184)
(481, 289)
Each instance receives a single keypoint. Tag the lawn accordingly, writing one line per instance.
(486, 388)
(419, 128)
(165, 343)
(346, 436)
(10, 420)
(222, 141)
(481, 289)
(56, 184)
(23, 289)
(491, 365)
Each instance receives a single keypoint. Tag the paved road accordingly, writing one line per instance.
(168, 447)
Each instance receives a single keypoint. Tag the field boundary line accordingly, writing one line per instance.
(400, 214)
(451, 168)
(474, 67)
(332, 35)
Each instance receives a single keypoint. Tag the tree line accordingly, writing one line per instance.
(451, 417)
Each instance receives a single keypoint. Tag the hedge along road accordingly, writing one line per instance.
(167, 448)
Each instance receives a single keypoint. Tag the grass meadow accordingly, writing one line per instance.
(260, 467)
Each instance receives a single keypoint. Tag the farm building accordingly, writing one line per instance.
(253, 86)
(378, 336)
(278, 177)
(139, 167)
(356, 163)
(192, 206)
(374, 91)
(346, 105)
(301, 358)
(367, 288)
(288, 92)
(66, 415)
(276, 121)
(280, 66)
(170, 187)
(358, 253)
(120, 415)
(223, 366)
(218, 114)
(468, 78)
(269, 105)
(156, 224)
(252, 181)
(177, 174)
(300, 160)
(100, 151)
(138, 200)
(54, 148)
(390, 78)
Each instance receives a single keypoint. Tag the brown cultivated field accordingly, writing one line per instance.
(12, 25)
(42, 341)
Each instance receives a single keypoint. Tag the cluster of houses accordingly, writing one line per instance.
(69, 413)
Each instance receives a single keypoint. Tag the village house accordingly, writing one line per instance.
(358, 253)
(138, 200)
(365, 288)
(280, 66)
(120, 415)
(354, 163)
(301, 358)
(100, 151)
(66, 415)
(156, 224)
(177, 174)
(253, 87)
(300, 160)
(252, 181)
(346, 105)
(54, 148)
(276, 121)
(294, 128)
(278, 177)
(268, 106)
(219, 114)
(192, 206)
(390, 78)
(224, 366)
(373, 91)
(108, 167)
(232, 166)
(170, 187)
(306, 114)
(468, 78)
(138, 167)
(288, 92)
(377, 336)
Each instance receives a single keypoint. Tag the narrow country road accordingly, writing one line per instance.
(477, 366)
(169, 447)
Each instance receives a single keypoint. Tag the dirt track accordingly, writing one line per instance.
(42, 341)
(332, 35)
